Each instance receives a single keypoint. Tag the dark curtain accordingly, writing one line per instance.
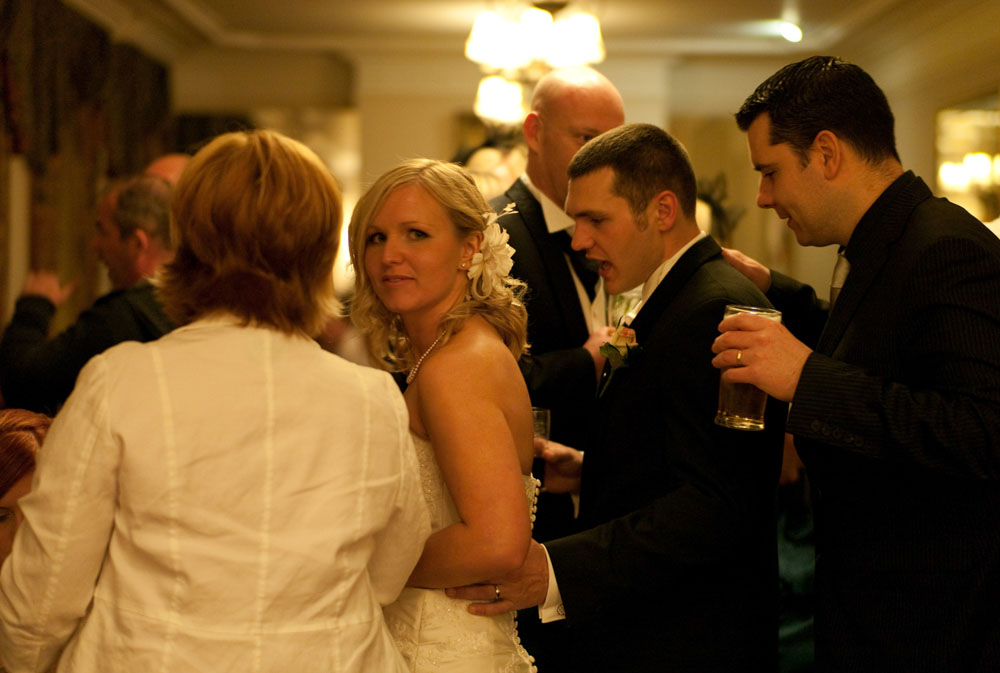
(82, 111)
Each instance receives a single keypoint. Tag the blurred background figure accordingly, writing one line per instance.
(230, 494)
(496, 163)
(169, 167)
(133, 241)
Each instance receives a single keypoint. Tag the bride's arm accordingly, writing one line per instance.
(459, 401)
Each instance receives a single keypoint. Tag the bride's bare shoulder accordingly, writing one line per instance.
(475, 353)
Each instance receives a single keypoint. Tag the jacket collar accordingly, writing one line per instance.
(868, 250)
(676, 278)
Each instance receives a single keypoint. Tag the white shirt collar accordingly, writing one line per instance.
(556, 218)
(658, 275)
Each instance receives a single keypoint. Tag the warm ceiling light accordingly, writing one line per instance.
(514, 51)
(500, 44)
(790, 31)
(577, 41)
(486, 43)
(499, 100)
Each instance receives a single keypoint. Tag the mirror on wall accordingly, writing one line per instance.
(968, 156)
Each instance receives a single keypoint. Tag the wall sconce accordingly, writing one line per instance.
(977, 169)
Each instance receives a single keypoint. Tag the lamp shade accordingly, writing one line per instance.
(499, 100)
(501, 44)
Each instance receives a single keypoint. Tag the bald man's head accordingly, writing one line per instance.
(569, 107)
(169, 167)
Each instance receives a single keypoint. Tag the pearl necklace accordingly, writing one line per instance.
(413, 372)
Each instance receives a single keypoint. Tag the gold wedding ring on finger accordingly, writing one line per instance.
(739, 357)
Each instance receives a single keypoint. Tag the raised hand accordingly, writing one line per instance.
(46, 284)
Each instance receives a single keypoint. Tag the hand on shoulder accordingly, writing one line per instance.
(758, 274)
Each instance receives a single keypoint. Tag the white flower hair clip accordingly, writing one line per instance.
(494, 260)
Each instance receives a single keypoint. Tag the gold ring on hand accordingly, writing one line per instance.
(739, 357)
(496, 589)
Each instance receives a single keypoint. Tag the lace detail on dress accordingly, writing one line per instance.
(437, 633)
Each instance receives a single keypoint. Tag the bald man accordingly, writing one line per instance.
(569, 107)
(169, 167)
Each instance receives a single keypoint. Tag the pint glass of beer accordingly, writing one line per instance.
(741, 405)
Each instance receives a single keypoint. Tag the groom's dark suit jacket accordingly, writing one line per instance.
(677, 569)
(559, 372)
(897, 418)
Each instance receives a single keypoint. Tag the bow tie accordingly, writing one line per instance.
(585, 269)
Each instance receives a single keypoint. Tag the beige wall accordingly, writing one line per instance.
(937, 54)
(238, 80)
(925, 54)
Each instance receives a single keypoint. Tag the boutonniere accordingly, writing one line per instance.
(621, 351)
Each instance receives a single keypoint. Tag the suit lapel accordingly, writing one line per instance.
(868, 252)
(556, 266)
(664, 294)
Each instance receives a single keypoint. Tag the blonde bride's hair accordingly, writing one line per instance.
(501, 306)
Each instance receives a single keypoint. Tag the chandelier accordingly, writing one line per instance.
(516, 43)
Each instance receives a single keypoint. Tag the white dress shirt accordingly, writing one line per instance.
(226, 498)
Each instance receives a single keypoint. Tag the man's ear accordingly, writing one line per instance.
(829, 151)
(138, 241)
(665, 207)
(532, 126)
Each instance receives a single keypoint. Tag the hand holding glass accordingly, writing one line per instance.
(741, 405)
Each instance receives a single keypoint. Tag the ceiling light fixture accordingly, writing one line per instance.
(499, 100)
(790, 31)
(543, 36)
(500, 42)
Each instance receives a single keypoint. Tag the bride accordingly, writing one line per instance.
(434, 298)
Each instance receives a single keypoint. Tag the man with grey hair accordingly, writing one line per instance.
(133, 241)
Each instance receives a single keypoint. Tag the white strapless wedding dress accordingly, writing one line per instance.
(436, 634)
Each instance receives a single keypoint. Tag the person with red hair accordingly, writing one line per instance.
(21, 433)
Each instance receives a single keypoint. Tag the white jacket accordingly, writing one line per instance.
(224, 499)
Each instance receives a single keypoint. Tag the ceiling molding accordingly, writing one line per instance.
(158, 32)
(166, 28)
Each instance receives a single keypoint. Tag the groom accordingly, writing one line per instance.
(675, 567)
